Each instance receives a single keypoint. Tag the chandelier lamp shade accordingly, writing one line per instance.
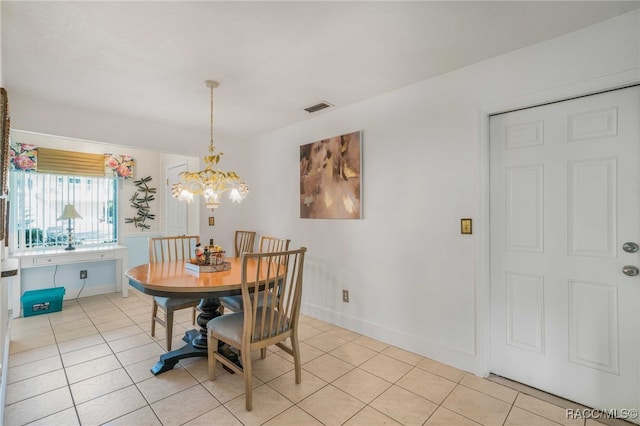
(210, 183)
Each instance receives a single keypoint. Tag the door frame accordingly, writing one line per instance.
(483, 266)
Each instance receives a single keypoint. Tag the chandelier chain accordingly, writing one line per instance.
(211, 145)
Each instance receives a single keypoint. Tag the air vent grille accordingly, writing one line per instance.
(318, 107)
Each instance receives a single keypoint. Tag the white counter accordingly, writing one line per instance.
(43, 258)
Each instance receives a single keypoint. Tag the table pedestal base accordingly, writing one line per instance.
(196, 341)
(170, 359)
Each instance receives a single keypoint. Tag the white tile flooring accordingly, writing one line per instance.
(89, 364)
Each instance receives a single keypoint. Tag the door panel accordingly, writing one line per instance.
(592, 207)
(524, 208)
(176, 210)
(525, 311)
(593, 325)
(565, 197)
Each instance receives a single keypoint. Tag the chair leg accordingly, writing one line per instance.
(212, 348)
(248, 378)
(263, 353)
(154, 313)
(193, 316)
(295, 348)
(169, 328)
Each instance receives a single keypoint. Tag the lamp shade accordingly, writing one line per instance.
(69, 212)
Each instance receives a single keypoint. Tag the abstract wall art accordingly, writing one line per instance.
(330, 178)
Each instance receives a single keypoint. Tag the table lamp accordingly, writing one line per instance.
(69, 213)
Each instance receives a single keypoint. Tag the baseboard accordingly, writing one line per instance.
(416, 344)
(88, 291)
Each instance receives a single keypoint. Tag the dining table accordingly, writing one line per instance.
(173, 279)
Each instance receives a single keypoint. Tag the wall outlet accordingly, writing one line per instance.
(83, 274)
(345, 296)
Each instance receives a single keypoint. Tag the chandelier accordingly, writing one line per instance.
(210, 183)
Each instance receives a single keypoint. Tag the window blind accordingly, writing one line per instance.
(38, 199)
(57, 161)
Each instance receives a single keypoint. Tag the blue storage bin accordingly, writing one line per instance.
(36, 302)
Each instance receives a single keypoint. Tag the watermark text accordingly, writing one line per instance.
(613, 413)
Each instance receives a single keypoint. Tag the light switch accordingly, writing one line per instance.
(465, 226)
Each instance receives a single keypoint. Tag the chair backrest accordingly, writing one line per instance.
(271, 244)
(244, 242)
(166, 249)
(277, 273)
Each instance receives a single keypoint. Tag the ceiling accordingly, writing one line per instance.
(150, 58)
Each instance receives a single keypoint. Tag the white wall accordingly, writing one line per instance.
(414, 281)
(101, 275)
(239, 156)
(148, 163)
(46, 117)
(52, 118)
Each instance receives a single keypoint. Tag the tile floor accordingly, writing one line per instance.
(89, 364)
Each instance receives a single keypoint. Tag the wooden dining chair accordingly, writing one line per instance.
(272, 244)
(244, 241)
(167, 249)
(267, 245)
(262, 323)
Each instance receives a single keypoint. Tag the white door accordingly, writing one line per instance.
(176, 210)
(565, 198)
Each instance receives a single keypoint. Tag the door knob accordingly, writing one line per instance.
(630, 247)
(630, 270)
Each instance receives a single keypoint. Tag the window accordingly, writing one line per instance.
(38, 199)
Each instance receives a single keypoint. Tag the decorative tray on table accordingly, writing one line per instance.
(224, 266)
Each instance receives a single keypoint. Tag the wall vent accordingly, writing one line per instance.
(318, 107)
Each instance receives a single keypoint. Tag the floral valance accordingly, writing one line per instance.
(118, 166)
(23, 157)
(28, 158)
